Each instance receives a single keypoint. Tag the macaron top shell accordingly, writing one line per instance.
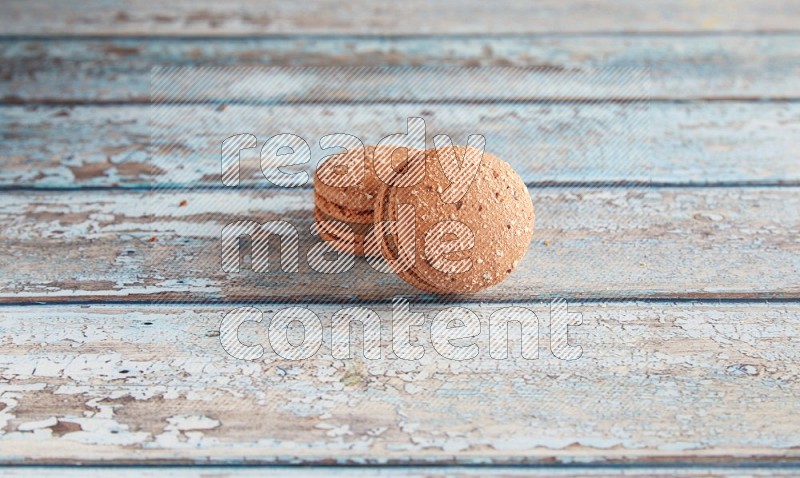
(496, 209)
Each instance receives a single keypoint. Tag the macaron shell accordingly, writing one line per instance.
(339, 213)
(335, 242)
(497, 208)
(410, 278)
(359, 228)
(384, 212)
(359, 197)
(336, 233)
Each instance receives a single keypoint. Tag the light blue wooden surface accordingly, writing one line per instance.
(707, 143)
(708, 221)
(711, 66)
(590, 242)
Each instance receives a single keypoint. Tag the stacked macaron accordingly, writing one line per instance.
(448, 246)
(345, 186)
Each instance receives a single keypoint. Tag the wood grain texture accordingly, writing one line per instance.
(662, 388)
(680, 144)
(686, 67)
(250, 17)
(657, 382)
(589, 242)
(453, 471)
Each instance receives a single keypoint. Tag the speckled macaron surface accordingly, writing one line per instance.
(464, 246)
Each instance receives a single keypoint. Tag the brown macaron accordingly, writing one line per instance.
(347, 181)
(464, 246)
(345, 187)
(344, 236)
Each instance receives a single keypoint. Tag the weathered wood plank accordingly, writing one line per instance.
(656, 382)
(695, 67)
(380, 84)
(661, 143)
(598, 242)
(452, 471)
(250, 17)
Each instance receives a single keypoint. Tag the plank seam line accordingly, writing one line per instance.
(728, 464)
(11, 101)
(56, 37)
(421, 300)
(777, 184)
